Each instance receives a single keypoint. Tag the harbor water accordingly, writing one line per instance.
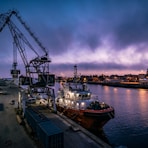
(129, 128)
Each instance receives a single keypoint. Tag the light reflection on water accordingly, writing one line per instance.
(130, 125)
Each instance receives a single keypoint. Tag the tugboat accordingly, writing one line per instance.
(77, 102)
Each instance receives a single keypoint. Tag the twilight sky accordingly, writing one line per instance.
(100, 36)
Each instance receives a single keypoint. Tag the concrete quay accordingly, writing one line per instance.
(14, 135)
(75, 135)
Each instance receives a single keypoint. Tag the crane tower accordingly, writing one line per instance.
(36, 67)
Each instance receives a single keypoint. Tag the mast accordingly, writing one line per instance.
(75, 75)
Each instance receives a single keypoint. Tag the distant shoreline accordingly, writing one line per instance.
(120, 84)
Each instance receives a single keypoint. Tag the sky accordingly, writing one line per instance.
(99, 36)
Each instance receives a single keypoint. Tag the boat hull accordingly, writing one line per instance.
(89, 119)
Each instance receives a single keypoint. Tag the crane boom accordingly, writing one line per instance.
(6, 18)
(32, 34)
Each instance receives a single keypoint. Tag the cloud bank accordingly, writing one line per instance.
(96, 35)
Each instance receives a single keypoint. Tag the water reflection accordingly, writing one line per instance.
(130, 125)
(142, 100)
(143, 108)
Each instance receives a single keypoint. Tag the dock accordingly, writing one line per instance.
(74, 134)
(13, 134)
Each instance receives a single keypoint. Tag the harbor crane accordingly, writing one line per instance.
(35, 67)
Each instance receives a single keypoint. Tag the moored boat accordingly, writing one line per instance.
(78, 103)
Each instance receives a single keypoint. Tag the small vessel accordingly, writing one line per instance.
(78, 103)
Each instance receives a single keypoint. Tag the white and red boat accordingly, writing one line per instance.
(77, 102)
